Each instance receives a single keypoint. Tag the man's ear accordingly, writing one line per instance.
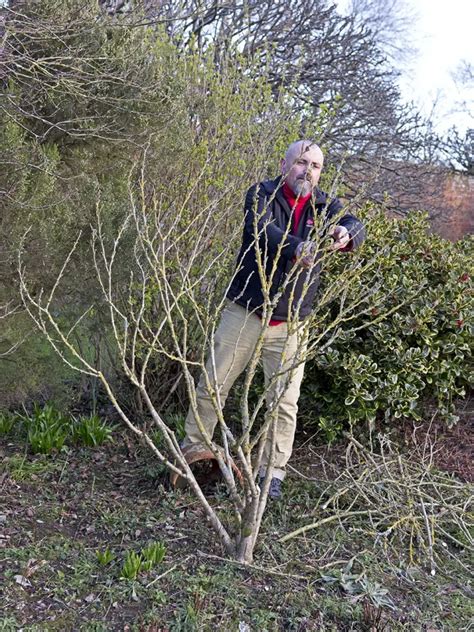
(283, 166)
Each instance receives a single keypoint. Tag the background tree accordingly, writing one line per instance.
(332, 64)
(83, 89)
(458, 148)
(391, 22)
(81, 100)
(463, 78)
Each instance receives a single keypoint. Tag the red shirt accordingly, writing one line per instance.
(297, 205)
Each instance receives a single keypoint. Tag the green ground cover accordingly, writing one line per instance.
(72, 520)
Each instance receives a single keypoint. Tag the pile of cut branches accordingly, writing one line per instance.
(400, 501)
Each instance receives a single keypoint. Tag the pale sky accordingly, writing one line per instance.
(444, 36)
(443, 33)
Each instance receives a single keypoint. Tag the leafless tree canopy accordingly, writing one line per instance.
(341, 66)
(329, 62)
(391, 21)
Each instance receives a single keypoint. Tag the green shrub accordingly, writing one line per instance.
(176, 423)
(104, 557)
(150, 556)
(47, 429)
(422, 352)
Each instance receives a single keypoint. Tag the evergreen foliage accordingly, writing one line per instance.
(394, 366)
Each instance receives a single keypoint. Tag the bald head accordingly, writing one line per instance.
(301, 167)
(299, 147)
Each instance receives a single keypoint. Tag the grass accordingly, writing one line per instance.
(72, 520)
(22, 467)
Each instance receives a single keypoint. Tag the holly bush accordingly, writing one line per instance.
(391, 361)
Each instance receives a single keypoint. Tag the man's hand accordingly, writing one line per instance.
(341, 237)
(305, 253)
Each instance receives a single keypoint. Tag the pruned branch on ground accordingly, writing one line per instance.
(401, 501)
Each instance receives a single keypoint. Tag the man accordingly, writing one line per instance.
(277, 268)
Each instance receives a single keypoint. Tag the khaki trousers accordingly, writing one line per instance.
(234, 344)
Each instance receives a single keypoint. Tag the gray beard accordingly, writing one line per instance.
(302, 187)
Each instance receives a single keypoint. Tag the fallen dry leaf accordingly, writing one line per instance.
(20, 579)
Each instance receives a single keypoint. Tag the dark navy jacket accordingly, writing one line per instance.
(267, 209)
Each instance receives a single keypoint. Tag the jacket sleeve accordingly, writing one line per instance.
(354, 226)
(258, 217)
